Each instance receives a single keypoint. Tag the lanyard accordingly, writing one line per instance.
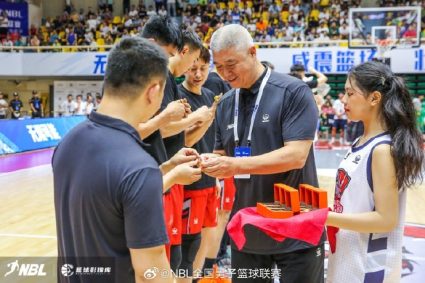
(254, 113)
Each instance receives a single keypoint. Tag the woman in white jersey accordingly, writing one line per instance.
(370, 187)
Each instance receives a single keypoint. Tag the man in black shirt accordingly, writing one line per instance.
(168, 138)
(15, 106)
(108, 195)
(200, 198)
(267, 140)
(166, 34)
(36, 105)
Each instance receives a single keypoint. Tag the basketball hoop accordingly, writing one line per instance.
(383, 48)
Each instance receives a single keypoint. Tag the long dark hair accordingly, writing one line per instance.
(399, 116)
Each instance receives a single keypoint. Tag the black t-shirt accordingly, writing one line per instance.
(287, 112)
(108, 196)
(206, 143)
(157, 147)
(174, 143)
(216, 84)
(16, 105)
(312, 84)
(36, 103)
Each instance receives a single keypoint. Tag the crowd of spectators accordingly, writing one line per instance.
(13, 106)
(267, 20)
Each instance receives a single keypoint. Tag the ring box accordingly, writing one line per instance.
(289, 201)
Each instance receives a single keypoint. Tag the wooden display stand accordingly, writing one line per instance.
(289, 201)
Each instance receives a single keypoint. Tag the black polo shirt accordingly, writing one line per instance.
(206, 143)
(108, 195)
(174, 143)
(216, 84)
(287, 112)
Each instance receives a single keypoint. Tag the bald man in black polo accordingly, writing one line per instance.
(265, 129)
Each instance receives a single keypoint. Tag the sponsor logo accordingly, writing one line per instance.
(43, 132)
(27, 269)
(67, 270)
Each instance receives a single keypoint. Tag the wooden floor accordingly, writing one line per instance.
(28, 221)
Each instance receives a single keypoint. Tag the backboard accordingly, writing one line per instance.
(368, 26)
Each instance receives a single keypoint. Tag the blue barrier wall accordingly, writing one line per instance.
(31, 134)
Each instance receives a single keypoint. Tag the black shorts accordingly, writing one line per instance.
(305, 265)
(339, 124)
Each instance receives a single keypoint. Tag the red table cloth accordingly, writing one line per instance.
(307, 227)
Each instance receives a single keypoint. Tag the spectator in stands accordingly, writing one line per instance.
(411, 33)
(3, 106)
(35, 41)
(80, 106)
(133, 12)
(171, 7)
(327, 113)
(151, 11)
(162, 11)
(15, 106)
(158, 4)
(288, 21)
(98, 98)
(7, 42)
(333, 30)
(320, 77)
(36, 105)
(89, 103)
(71, 38)
(19, 42)
(69, 106)
(340, 120)
(344, 30)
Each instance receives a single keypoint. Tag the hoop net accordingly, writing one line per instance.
(383, 48)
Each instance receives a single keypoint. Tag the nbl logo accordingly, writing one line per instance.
(25, 269)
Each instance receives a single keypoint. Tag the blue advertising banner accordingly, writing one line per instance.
(335, 60)
(17, 14)
(31, 134)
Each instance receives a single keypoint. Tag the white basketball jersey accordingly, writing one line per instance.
(361, 257)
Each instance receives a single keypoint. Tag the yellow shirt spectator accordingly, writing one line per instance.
(265, 15)
(324, 3)
(314, 13)
(284, 15)
(100, 43)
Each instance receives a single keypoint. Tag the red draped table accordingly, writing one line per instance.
(307, 227)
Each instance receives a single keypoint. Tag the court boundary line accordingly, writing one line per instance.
(16, 235)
